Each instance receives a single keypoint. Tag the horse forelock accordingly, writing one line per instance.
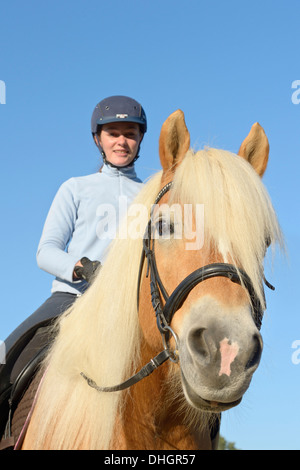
(238, 214)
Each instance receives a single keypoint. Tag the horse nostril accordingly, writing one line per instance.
(256, 353)
(198, 345)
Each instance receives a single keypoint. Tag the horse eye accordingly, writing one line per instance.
(164, 228)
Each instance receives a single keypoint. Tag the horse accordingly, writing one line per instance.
(168, 335)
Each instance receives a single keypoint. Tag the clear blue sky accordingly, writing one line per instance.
(226, 65)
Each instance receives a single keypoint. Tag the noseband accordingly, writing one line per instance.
(164, 313)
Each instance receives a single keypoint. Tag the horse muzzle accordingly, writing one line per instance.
(218, 354)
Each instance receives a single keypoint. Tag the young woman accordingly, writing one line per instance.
(75, 236)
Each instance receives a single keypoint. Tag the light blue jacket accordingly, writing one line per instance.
(82, 221)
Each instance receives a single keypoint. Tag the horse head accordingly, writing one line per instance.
(214, 324)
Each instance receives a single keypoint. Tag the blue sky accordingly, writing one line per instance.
(226, 65)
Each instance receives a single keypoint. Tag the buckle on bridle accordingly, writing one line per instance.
(174, 355)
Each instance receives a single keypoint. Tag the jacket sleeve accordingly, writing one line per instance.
(57, 232)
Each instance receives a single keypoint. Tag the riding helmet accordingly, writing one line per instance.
(118, 109)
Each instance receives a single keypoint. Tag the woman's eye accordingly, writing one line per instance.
(164, 228)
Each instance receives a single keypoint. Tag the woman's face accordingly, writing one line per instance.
(120, 142)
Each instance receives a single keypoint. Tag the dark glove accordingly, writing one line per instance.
(88, 270)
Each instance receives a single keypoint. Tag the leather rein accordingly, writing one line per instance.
(164, 313)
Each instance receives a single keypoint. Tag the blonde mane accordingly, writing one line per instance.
(100, 335)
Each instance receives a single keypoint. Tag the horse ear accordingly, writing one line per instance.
(255, 149)
(174, 141)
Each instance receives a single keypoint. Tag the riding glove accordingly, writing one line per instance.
(88, 270)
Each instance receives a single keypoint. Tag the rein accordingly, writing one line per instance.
(164, 314)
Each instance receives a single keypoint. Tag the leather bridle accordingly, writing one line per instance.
(164, 313)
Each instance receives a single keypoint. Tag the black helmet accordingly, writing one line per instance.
(118, 109)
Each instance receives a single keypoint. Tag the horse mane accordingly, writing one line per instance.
(103, 321)
(100, 334)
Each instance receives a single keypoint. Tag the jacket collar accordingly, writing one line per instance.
(128, 171)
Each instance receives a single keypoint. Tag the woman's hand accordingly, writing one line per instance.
(86, 269)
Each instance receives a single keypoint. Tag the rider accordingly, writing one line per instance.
(75, 232)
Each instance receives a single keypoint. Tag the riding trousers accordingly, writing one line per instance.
(51, 308)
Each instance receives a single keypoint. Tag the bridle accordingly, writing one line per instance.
(164, 313)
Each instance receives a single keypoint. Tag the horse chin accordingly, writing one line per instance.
(205, 405)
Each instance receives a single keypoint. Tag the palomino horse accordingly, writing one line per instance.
(200, 306)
